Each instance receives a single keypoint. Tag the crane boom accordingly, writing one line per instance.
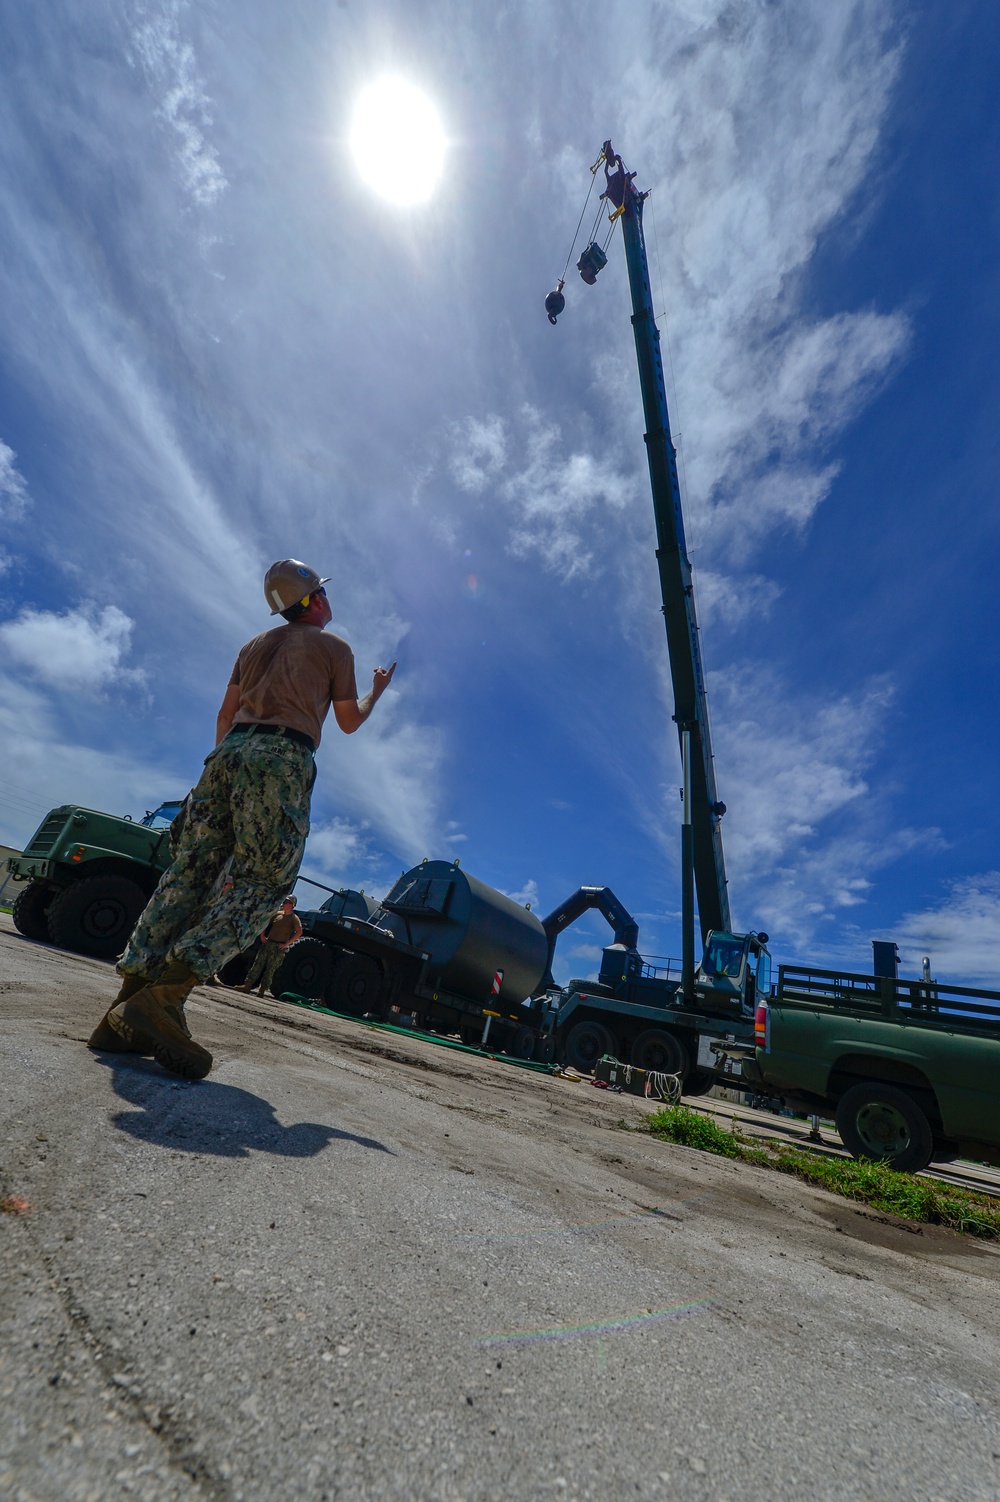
(676, 591)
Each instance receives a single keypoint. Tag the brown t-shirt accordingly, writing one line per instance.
(290, 676)
(284, 927)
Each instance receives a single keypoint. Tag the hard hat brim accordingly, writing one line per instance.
(312, 592)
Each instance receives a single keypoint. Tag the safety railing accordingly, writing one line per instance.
(669, 968)
(931, 1002)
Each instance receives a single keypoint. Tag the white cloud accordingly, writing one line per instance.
(49, 765)
(170, 64)
(592, 952)
(13, 490)
(730, 600)
(805, 833)
(552, 495)
(479, 452)
(337, 846)
(754, 134)
(527, 896)
(961, 934)
(81, 650)
(387, 778)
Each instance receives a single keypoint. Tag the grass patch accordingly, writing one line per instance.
(871, 1184)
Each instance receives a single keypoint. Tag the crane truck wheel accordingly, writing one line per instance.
(31, 909)
(307, 969)
(96, 914)
(885, 1124)
(660, 1052)
(520, 1043)
(586, 1043)
(357, 985)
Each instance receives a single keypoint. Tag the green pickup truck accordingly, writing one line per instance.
(911, 1069)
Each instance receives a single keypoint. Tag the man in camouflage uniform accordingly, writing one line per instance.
(283, 929)
(250, 807)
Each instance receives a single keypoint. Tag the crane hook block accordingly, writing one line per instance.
(555, 302)
(591, 262)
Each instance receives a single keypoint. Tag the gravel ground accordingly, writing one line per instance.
(350, 1265)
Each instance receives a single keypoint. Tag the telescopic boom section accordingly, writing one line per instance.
(687, 673)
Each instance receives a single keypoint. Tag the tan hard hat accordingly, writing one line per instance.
(289, 582)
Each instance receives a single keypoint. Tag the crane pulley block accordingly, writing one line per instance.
(591, 262)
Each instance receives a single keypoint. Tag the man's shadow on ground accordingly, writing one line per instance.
(210, 1117)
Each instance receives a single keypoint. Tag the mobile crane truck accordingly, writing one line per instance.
(463, 957)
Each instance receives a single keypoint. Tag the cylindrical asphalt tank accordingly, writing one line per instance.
(347, 903)
(471, 931)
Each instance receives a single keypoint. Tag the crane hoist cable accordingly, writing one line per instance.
(555, 302)
(576, 232)
(594, 257)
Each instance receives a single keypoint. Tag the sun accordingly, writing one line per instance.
(398, 141)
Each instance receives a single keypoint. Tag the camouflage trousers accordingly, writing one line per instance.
(265, 964)
(251, 809)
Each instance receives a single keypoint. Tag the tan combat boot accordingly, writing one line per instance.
(153, 1020)
(104, 1036)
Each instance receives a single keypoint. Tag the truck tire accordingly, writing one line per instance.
(96, 915)
(357, 985)
(586, 1043)
(30, 911)
(307, 969)
(885, 1124)
(699, 1082)
(520, 1042)
(660, 1052)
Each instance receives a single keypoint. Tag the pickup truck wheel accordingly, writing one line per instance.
(588, 1042)
(307, 969)
(659, 1052)
(30, 911)
(885, 1124)
(357, 985)
(96, 915)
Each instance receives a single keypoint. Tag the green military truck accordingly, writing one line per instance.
(89, 875)
(910, 1069)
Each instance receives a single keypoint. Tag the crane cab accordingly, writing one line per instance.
(734, 970)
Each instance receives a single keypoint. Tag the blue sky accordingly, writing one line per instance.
(220, 347)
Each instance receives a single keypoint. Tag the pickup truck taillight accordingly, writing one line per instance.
(760, 1025)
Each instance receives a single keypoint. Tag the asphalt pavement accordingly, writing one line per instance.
(352, 1265)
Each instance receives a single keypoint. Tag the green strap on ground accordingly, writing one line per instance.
(410, 1032)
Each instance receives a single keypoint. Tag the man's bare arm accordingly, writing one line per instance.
(230, 704)
(350, 714)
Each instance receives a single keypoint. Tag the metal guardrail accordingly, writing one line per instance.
(656, 972)
(918, 1001)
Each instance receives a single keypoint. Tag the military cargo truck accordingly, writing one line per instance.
(88, 875)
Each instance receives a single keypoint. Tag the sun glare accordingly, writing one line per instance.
(398, 141)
